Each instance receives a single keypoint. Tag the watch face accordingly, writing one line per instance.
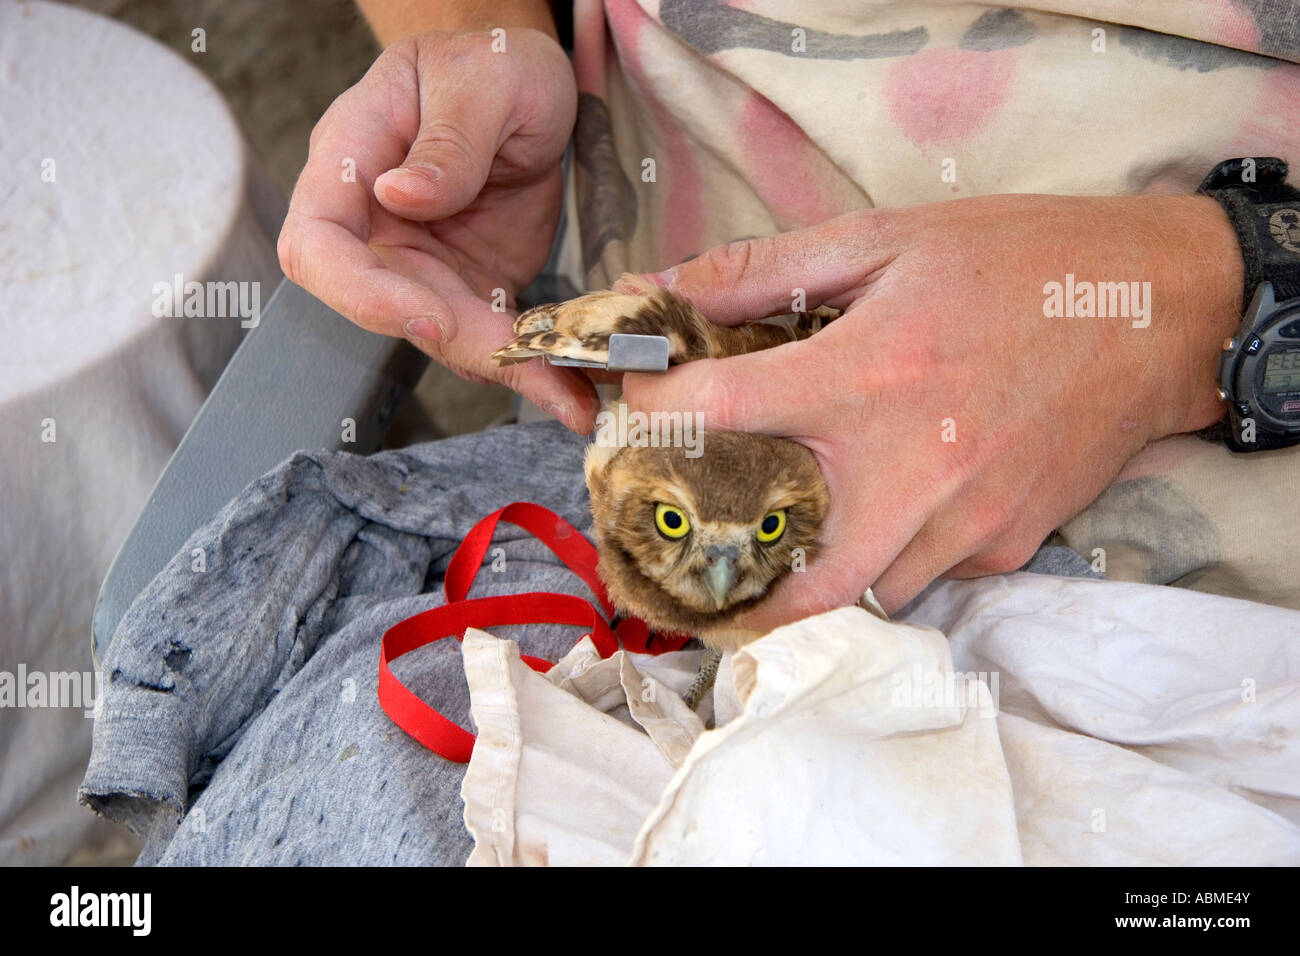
(1272, 364)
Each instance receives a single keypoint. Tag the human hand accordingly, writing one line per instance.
(433, 182)
(956, 424)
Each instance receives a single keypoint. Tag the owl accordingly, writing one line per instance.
(689, 536)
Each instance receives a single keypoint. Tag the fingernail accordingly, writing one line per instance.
(563, 412)
(665, 278)
(426, 171)
(417, 176)
(430, 329)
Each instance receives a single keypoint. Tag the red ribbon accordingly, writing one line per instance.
(426, 724)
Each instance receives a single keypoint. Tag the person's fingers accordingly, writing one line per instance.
(780, 391)
(339, 269)
(563, 392)
(365, 132)
(925, 558)
(630, 283)
(826, 264)
(380, 141)
(437, 312)
(768, 391)
(876, 507)
(471, 330)
(462, 125)
(440, 140)
(1006, 552)
(872, 516)
(824, 586)
(323, 243)
(965, 537)
(453, 326)
(471, 103)
(598, 376)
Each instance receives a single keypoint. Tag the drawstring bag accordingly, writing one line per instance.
(426, 724)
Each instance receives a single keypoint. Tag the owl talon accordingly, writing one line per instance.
(704, 680)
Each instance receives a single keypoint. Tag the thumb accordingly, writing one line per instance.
(447, 165)
(789, 272)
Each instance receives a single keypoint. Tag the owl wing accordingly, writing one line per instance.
(577, 329)
(580, 329)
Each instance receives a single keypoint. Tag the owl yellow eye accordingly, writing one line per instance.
(671, 521)
(771, 527)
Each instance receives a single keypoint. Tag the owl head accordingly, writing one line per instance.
(689, 543)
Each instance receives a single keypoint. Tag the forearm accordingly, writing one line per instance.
(393, 19)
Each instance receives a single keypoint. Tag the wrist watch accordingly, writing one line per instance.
(1259, 368)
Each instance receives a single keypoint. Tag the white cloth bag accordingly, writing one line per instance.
(846, 739)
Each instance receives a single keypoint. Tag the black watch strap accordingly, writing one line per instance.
(1265, 212)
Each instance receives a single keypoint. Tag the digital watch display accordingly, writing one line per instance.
(1282, 376)
(1259, 371)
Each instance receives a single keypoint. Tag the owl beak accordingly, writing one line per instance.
(721, 575)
